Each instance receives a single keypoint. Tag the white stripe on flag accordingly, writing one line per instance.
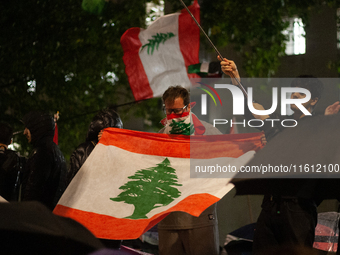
(204, 67)
(166, 64)
(151, 174)
(98, 180)
(151, 74)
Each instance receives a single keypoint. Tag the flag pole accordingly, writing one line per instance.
(220, 55)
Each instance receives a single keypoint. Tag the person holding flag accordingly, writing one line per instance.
(288, 221)
(103, 119)
(180, 232)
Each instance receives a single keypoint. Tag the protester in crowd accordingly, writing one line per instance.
(288, 220)
(181, 233)
(292, 220)
(10, 165)
(103, 119)
(45, 171)
(313, 85)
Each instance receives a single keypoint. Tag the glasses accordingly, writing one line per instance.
(174, 110)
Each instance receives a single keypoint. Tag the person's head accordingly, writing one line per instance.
(103, 119)
(38, 125)
(313, 85)
(176, 99)
(6, 133)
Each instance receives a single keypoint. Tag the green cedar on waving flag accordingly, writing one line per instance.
(132, 179)
(158, 57)
(146, 183)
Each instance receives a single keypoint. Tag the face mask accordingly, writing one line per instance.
(179, 124)
(177, 116)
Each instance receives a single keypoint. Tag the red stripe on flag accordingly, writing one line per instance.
(108, 227)
(138, 79)
(189, 36)
(182, 146)
(147, 143)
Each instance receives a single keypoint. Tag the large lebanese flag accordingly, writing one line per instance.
(132, 179)
(158, 57)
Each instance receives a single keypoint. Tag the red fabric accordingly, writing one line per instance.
(103, 225)
(211, 146)
(325, 232)
(138, 80)
(171, 116)
(163, 121)
(121, 228)
(55, 137)
(176, 116)
(199, 128)
(190, 36)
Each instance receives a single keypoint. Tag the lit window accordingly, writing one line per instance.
(154, 11)
(296, 40)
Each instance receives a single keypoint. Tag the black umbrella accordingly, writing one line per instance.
(31, 228)
(300, 161)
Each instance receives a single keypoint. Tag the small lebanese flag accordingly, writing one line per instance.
(133, 179)
(158, 57)
(206, 69)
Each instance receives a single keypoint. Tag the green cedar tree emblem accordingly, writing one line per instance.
(150, 188)
(156, 41)
(181, 128)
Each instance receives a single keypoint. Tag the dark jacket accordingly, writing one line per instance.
(10, 169)
(104, 119)
(45, 171)
(78, 158)
(307, 187)
(271, 129)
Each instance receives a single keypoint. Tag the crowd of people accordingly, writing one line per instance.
(44, 175)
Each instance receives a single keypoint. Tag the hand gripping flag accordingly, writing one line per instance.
(158, 57)
(133, 179)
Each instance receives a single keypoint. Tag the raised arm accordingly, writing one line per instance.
(229, 68)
